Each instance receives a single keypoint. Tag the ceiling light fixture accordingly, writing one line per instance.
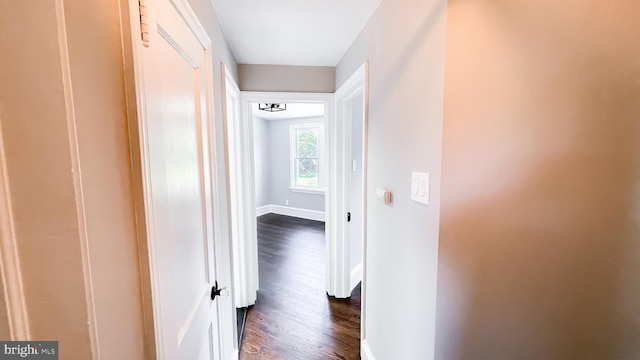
(272, 107)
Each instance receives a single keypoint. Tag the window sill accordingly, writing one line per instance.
(307, 191)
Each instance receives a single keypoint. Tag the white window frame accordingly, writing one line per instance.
(293, 142)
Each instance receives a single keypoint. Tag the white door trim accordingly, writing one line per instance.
(357, 83)
(240, 193)
(333, 268)
(77, 177)
(10, 265)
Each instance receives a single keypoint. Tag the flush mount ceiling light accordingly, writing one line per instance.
(272, 107)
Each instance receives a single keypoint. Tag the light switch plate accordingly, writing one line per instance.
(420, 187)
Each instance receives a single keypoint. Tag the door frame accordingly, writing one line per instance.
(10, 268)
(137, 114)
(357, 83)
(336, 279)
(241, 195)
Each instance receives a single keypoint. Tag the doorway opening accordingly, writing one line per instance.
(290, 160)
(311, 174)
(290, 171)
(290, 175)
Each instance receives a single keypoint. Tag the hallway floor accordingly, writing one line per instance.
(294, 319)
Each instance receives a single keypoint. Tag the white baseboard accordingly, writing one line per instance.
(291, 211)
(263, 210)
(365, 350)
(356, 276)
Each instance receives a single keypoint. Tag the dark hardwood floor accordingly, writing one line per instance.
(294, 319)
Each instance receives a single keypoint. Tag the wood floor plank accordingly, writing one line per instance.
(294, 319)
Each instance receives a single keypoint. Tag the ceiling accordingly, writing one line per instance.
(292, 32)
(294, 111)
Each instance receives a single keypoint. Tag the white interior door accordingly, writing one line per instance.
(178, 186)
(355, 118)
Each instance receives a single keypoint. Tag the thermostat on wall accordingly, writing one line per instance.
(384, 195)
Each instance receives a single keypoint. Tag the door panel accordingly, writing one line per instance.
(356, 231)
(181, 218)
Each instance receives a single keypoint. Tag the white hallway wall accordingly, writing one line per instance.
(539, 250)
(404, 43)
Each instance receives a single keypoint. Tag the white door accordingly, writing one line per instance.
(355, 114)
(179, 186)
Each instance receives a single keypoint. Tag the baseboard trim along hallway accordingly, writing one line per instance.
(291, 211)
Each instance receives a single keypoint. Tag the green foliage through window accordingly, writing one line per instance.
(307, 157)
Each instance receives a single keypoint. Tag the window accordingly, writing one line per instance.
(307, 157)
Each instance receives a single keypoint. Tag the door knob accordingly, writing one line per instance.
(215, 291)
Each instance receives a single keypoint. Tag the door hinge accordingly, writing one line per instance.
(348, 217)
(144, 22)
